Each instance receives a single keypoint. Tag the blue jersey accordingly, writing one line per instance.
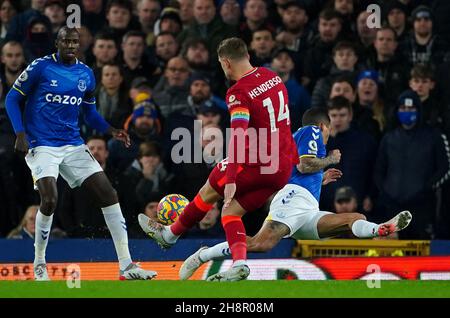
(55, 93)
(309, 142)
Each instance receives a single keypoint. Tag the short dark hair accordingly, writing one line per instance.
(107, 36)
(97, 137)
(264, 29)
(65, 30)
(387, 27)
(232, 48)
(422, 71)
(345, 79)
(339, 102)
(315, 116)
(149, 149)
(163, 33)
(114, 64)
(129, 34)
(126, 4)
(344, 45)
(193, 42)
(330, 14)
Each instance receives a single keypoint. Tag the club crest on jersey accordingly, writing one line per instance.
(231, 98)
(82, 85)
(23, 77)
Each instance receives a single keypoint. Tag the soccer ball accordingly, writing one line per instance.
(170, 207)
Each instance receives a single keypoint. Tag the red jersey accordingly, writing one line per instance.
(258, 105)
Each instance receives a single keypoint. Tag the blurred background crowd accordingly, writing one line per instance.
(387, 91)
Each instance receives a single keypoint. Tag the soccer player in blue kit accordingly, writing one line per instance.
(294, 211)
(56, 87)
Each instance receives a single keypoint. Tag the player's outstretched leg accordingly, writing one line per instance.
(44, 218)
(106, 197)
(194, 212)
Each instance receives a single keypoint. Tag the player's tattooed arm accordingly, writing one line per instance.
(311, 165)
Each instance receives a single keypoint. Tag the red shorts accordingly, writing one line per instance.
(253, 188)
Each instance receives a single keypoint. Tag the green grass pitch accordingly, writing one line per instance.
(244, 289)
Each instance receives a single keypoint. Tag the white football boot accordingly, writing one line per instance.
(191, 264)
(154, 230)
(397, 223)
(40, 272)
(234, 274)
(135, 272)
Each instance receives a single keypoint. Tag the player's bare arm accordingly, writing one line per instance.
(311, 165)
(21, 145)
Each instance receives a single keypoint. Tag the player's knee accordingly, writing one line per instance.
(48, 204)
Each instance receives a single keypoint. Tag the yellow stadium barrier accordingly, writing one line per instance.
(360, 248)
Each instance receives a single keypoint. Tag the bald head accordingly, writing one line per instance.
(68, 44)
(64, 31)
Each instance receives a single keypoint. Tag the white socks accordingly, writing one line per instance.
(41, 236)
(364, 229)
(168, 236)
(118, 229)
(218, 251)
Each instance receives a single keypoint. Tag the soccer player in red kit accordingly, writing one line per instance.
(261, 155)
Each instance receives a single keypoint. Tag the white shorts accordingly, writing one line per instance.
(297, 208)
(74, 163)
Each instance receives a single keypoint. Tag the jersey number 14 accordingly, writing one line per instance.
(282, 115)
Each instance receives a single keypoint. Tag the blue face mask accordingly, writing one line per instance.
(407, 118)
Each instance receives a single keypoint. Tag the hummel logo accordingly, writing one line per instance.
(54, 83)
(44, 235)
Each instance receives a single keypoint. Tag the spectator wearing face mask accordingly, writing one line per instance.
(411, 165)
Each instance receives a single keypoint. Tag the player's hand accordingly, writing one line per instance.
(331, 175)
(228, 193)
(335, 156)
(121, 135)
(21, 145)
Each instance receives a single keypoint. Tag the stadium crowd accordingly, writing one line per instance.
(386, 90)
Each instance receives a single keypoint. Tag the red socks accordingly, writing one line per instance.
(236, 237)
(193, 213)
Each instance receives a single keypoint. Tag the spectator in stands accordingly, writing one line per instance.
(299, 99)
(166, 47)
(38, 40)
(207, 26)
(255, 14)
(200, 92)
(347, 9)
(366, 35)
(139, 85)
(105, 51)
(19, 25)
(358, 156)
(319, 60)
(294, 32)
(26, 228)
(13, 63)
(396, 16)
(119, 18)
(148, 12)
(86, 41)
(345, 200)
(93, 15)
(112, 98)
(422, 46)
(261, 47)
(434, 112)
(345, 63)
(13, 175)
(170, 21)
(8, 10)
(134, 62)
(186, 12)
(369, 104)
(411, 165)
(389, 64)
(144, 125)
(196, 53)
(171, 91)
(55, 11)
(344, 86)
(230, 12)
(142, 180)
